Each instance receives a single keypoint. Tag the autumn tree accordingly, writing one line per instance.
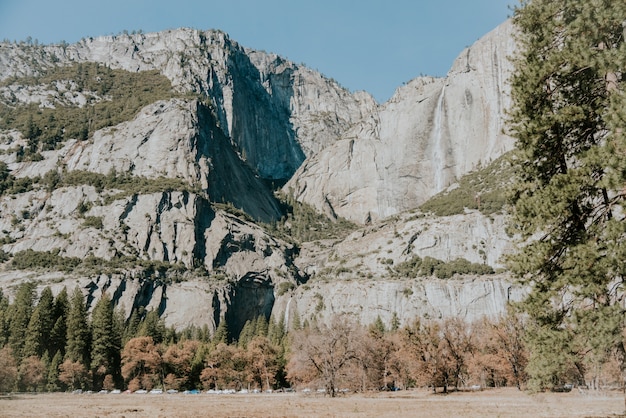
(226, 367)
(375, 355)
(264, 361)
(142, 362)
(325, 354)
(568, 116)
(439, 350)
(179, 362)
(73, 374)
(31, 374)
(8, 369)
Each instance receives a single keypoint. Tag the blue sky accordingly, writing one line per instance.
(371, 45)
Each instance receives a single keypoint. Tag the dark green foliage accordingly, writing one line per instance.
(50, 260)
(11, 185)
(304, 223)
(106, 342)
(569, 119)
(52, 376)
(428, 266)
(58, 334)
(153, 326)
(125, 184)
(122, 94)
(40, 326)
(484, 189)
(78, 333)
(284, 287)
(4, 319)
(221, 334)
(19, 317)
(93, 222)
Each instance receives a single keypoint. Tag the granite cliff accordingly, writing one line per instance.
(173, 206)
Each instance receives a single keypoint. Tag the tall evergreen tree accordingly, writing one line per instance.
(569, 119)
(58, 334)
(19, 314)
(221, 334)
(40, 326)
(77, 348)
(153, 326)
(131, 330)
(106, 342)
(4, 319)
(52, 377)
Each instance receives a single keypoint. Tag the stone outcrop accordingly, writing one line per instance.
(246, 123)
(430, 133)
(469, 298)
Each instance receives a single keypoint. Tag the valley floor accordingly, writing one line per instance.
(490, 403)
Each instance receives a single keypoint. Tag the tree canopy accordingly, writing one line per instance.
(568, 116)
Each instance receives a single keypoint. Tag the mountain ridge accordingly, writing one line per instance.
(242, 124)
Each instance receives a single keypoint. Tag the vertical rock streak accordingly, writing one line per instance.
(439, 148)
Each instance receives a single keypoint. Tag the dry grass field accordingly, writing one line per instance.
(489, 403)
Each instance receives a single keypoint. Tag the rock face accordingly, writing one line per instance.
(470, 298)
(275, 112)
(430, 133)
(245, 123)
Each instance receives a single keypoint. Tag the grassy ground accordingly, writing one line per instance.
(490, 403)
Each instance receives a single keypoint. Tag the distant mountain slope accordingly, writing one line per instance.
(429, 134)
(146, 166)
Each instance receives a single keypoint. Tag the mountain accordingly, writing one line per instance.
(148, 166)
(428, 135)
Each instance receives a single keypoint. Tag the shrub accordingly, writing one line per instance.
(114, 96)
(484, 189)
(284, 287)
(430, 266)
(93, 222)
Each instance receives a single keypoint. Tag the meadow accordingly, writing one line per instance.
(506, 402)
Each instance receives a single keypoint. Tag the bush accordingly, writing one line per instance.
(484, 189)
(115, 96)
(29, 259)
(284, 287)
(430, 266)
(93, 222)
(304, 223)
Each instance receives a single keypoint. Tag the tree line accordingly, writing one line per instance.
(53, 344)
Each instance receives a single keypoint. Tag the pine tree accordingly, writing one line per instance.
(37, 341)
(4, 319)
(276, 331)
(395, 322)
(246, 335)
(261, 327)
(52, 378)
(568, 117)
(58, 334)
(19, 314)
(153, 326)
(33, 341)
(106, 342)
(132, 327)
(221, 334)
(77, 348)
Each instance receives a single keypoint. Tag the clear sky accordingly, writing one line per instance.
(372, 45)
